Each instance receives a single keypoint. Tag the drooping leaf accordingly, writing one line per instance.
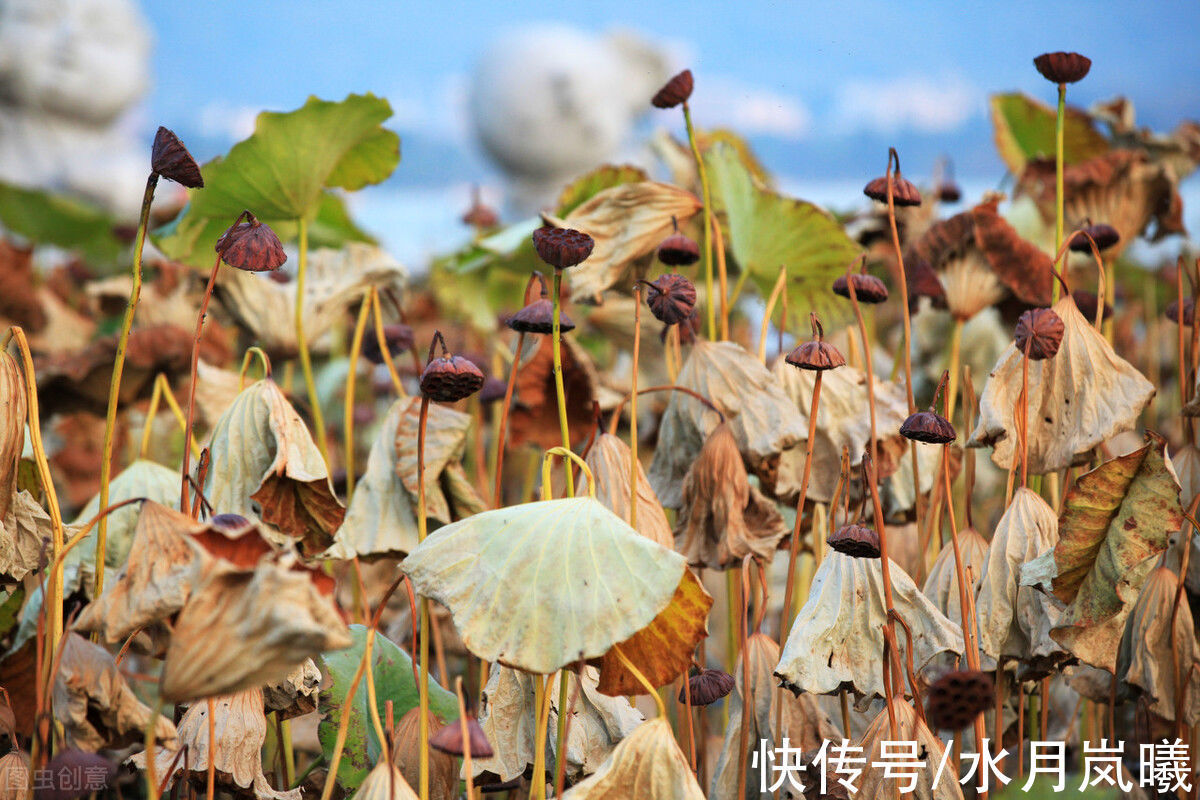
(648, 763)
(283, 170)
(588, 185)
(1117, 518)
(392, 670)
(1024, 129)
(46, 218)
(765, 230)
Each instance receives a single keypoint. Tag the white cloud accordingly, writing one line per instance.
(750, 110)
(221, 120)
(920, 103)
(437, 107)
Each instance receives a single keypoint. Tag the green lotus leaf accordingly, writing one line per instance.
(541, 585)
(47, 218)
(765, 230)
(588, 185)
(1025, 129)
(283, 172)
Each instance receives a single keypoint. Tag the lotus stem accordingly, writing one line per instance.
(55, 590)
(633, 418)
(466, 737)
(687, 704)
(1023, 410)
(422, 532)
(780, 283)
(560, 393)
(702, 174)
(1059, 128)
(560, 738)
(908, 378)
(637, 674)
(541, 702)
(162, 390)
(794, 549)
(211, 771)
(114, 387)
(356, 340)
(955, 367)
(568, 456)
(1181, 689)
(502, 428)
(191, 415)
(252, 352)
(616, 415)
(318, 418)
(384, 350)
(747, 703)
(722, 277)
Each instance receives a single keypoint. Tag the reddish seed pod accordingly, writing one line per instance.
(1105, 236)
(448, 379)
(251, 246)
(1042, 330)
(538, 317)
(867, 288)
(707, 687)
(1086, 301)
(675, 91)
(855, 540)
(170, 159)
(678, 250)
(904, 192)
(928, 427)
(818, 354)
(1062, 67)
(1189, 311)
(946, 191)
(399, 337)
(449, 740)
(562, 247)
(671, 298)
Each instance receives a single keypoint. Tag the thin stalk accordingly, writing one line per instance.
(1059, 127)
(191, 415)
(162, 391)
(687, 705)
(702, 174)
(780, 283)
(211, 772)
(114, 387)
(502, 427)
(339, 742)
(381, 338)
(747, 701)
(560, 393)
(722, 277)
(908, 379)
(1181, 688)
(560, 737)
(954, 367)
(252, 352)
(541, 701)
(302, 343)
(1189, 437)
(356, 340)
(466, 737)
(633, 418)
(423, 686)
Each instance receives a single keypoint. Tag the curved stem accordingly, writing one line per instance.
(633, 419)
(722, 277)
(384, 350)
(702, 174)
(191, 415)
(637, 674)
(780, 283)
(556, 333)
(616, 415)
(310, 384)
(466, 738)
(954, 367)
(339, 743)
(794, 550)
(423, 686)
(356, 340)
(114, 387)
(560, 738)
(254, 351)
(1059, 127)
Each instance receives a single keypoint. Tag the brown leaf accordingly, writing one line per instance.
(95, 705)
(534, 415)
(445, 442)
(245, 628)
(12, 427)
(724, 518)
(262, 452)
(1019, 264)
(25, 535)
(296, 693)
(240, 728)
(385, 782)
(877, 784)
(19, 301)
(406, 757)
(609, 459)
(941, 586)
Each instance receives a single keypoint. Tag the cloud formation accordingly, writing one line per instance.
(749, 109)
(918, 103)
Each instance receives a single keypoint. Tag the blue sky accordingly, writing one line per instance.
(829, 85)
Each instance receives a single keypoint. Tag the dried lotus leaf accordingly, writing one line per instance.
(534, 415)
(12, 428)
(555, 567)
(941, 586)
(26, 531)
(608, 459)
(95, 705)
(647, 763)
(878, 783)
(1015, 619)
(245, 628)
(142, 479)
(836, 641)
(265, 465)
(295, 693)
(803, 724)
(598, 722)
(764, 420)
(385, 782)
(1082, 397)
(445, 442)
(843, 421)
(240, 728)
(626, 222)
(1159, 635)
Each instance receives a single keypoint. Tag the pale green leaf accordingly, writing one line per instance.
(1025, 129)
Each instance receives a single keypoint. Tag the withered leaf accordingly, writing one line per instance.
(627, 222)
(877, 783)
(1083, 396)
(1116, 519)
(95, 705)
(609, 459)
(264, 464)
(534, 415)
(764, 420)
(445, 442)
(647, 763)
